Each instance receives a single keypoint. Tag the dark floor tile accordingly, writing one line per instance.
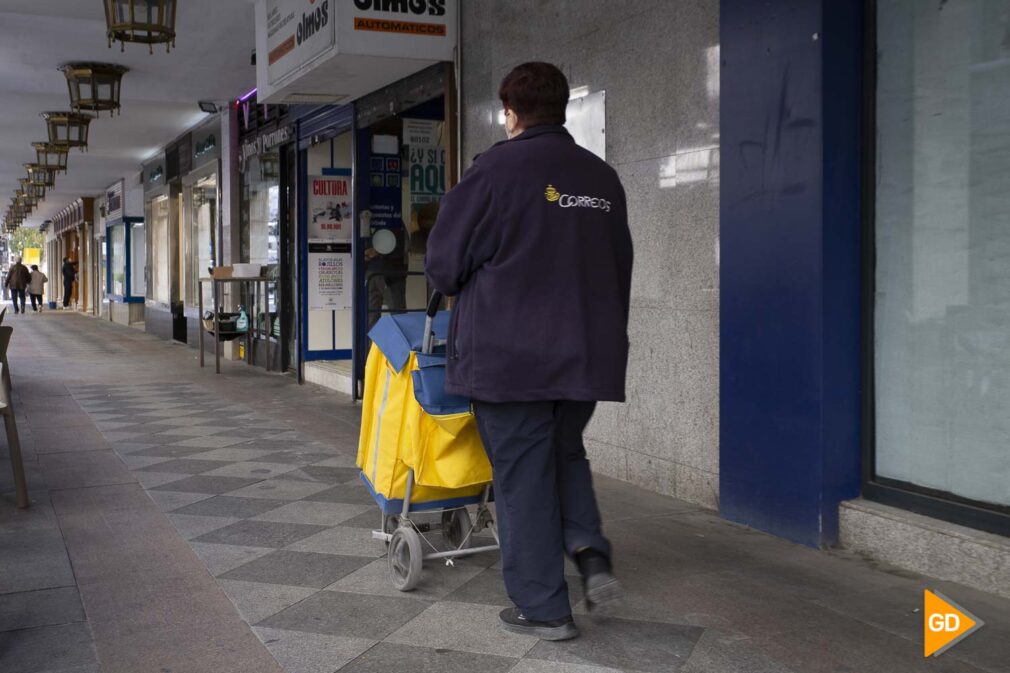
(48, 649)
(297, 569)
(202, 484)
(326, 475)
(45, 607)
(184, 466)
(386, 657)
(261, 534)
(230, 506)
(354, 494)
(650, 647)
(345, 614)
(33, 559)
(289, 456)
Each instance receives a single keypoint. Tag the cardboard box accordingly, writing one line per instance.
(221, 272)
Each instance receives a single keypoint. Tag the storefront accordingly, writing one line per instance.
(125, 253)
(361, 219)
(201, 226)
(163, 315)
(268, 225)
(71, 238)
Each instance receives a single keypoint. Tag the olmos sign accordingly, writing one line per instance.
(297, 32)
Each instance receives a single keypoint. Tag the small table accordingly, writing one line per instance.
(216, 284)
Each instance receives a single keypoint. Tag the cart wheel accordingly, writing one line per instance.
(455, 526)
(404, 557)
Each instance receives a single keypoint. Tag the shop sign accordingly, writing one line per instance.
(405, 28)
(330, 273)
(426, 171)
(264, 142)
(297, 31)
(114, 202)
(330, 217)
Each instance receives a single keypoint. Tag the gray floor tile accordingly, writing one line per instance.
(203, 484)
(160, 424)
(252, 469)
(280, 489)
(33, 559)
(488, 588)
(168, 501)
(190, 430)
(260, 534)
(437, 579)
(297, 569)
(45, 607)
(256, 601)
(182, 466)
(48, 649)
(326, 475)
(190, 526)
(540, 666)
(138, 462)
(355, 494)
(650, 647)
(440, 627)
(341, 540)
(169, 451)
(291, 456)
(340, 460)
(722, 652)
(232, 454)
(393, 657)
(350, 615)
(318, 513)
(209, 442)
(226, 505)
(300, 652)
(220, 558)
(152, 479)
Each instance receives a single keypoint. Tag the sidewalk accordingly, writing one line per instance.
(160, 491)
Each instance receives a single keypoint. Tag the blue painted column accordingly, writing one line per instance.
(790, 264)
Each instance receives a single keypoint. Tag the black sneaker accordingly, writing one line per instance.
(512, 620)
(598, 579)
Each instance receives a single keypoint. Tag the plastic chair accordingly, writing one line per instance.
(7, 411)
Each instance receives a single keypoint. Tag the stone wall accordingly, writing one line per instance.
(658, 62)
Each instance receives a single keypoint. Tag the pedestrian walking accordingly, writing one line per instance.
(535, 245)
(69, 276)
(17, 281)
(37, 287)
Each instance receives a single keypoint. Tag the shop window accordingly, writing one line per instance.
(138, 260)
(261, 202)
(942, 234)
(117, 259)
(160, 269)
(202, 218)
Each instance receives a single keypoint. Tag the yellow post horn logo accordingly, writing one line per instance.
(552, 194)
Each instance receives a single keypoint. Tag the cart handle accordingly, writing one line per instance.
(429, 333)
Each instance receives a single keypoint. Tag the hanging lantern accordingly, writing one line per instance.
(94, 87)
(68, 129)
(29, 188)
(51, 156)
(148, 22)
(26, 201)
(41, 175)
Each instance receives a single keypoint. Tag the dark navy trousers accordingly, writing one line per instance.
(544, 500)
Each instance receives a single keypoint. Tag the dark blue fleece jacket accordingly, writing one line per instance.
(534, 242)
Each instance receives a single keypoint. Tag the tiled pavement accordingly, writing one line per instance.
(160, 488)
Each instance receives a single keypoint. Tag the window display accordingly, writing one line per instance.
(117, 259)
(158, 217)
(201, 224)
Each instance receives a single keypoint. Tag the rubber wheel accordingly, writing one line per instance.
(404, 559)
(456, 524)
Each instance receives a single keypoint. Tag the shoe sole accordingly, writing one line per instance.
(566, 632)
(603, 590)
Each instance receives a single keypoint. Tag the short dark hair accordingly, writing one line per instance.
(35, 267)
(537, 92)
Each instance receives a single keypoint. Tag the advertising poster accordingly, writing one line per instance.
(330, 274)
(330, 216)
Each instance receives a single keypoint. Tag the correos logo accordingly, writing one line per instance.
(571, 201)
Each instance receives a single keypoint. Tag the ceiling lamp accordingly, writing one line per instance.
(148, 22)
(41, 175)
(51, 156)
(68, 129)
(27, 202)
(32, 190)
(94, 87)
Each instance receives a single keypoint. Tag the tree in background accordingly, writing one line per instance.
(25, 237)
